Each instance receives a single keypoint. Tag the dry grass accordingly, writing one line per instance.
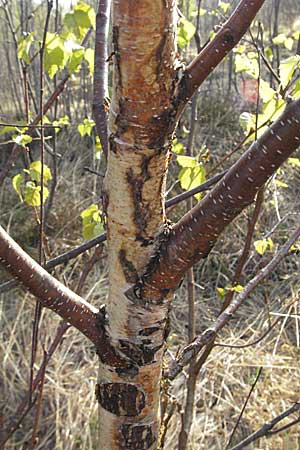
(69, 416)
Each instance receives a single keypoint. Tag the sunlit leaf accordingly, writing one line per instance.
(16, 182)
(185, 32)
(22, 139)
(32, 194)
(262, 245)
(35, 172)
(287, 69)
(24, 45)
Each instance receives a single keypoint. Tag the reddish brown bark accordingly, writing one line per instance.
(194, 236)
(52, 294)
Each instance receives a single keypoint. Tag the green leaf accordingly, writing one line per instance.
(91, 222)
(262, 245)
(185, 32)
(32, 194)
(56, 55)
(295, 162)
(89, 56)
(237, 288)
(22, 139)
(287, 69)
(289, 43)
(35, 172)
(281, 184)
(224, 6)
(279, 39)
(221, 292)
(62, 122)
(186, 161)
(85, 128)
(16, 182)
(191, 177)
(24, 45)
(76, 60)
(296, 89)
(80, 19)
(177, 147)
(98, 147)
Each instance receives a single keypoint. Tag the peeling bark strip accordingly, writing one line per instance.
(52, 294)
(196, 233)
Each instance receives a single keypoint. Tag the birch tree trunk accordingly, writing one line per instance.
(139, 141)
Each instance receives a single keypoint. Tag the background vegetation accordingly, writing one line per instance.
(226, 110)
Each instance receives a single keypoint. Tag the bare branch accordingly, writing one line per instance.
(65, 257)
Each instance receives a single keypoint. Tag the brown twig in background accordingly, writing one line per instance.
(23, 408)
(38, 306)
(267, 429)
(38, 407)
(244, 406)
(61, 330)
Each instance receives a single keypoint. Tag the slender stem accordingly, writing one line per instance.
(244, 406)
(38, 306)
(65, 257)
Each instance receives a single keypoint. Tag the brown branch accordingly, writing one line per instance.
(193, 237)
(51, 293)
(190, 351)
(38, 305)
(267, 429)
(215, 51)
(101, 73)
(65, 257)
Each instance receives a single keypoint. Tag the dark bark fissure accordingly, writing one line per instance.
(121, 399)
(138, 437)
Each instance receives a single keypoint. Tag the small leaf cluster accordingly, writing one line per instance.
(92, 224)
(28, 184)
(63, 50)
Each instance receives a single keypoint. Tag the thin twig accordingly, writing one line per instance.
(38, 306)
(244, 406)
(267, 429)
